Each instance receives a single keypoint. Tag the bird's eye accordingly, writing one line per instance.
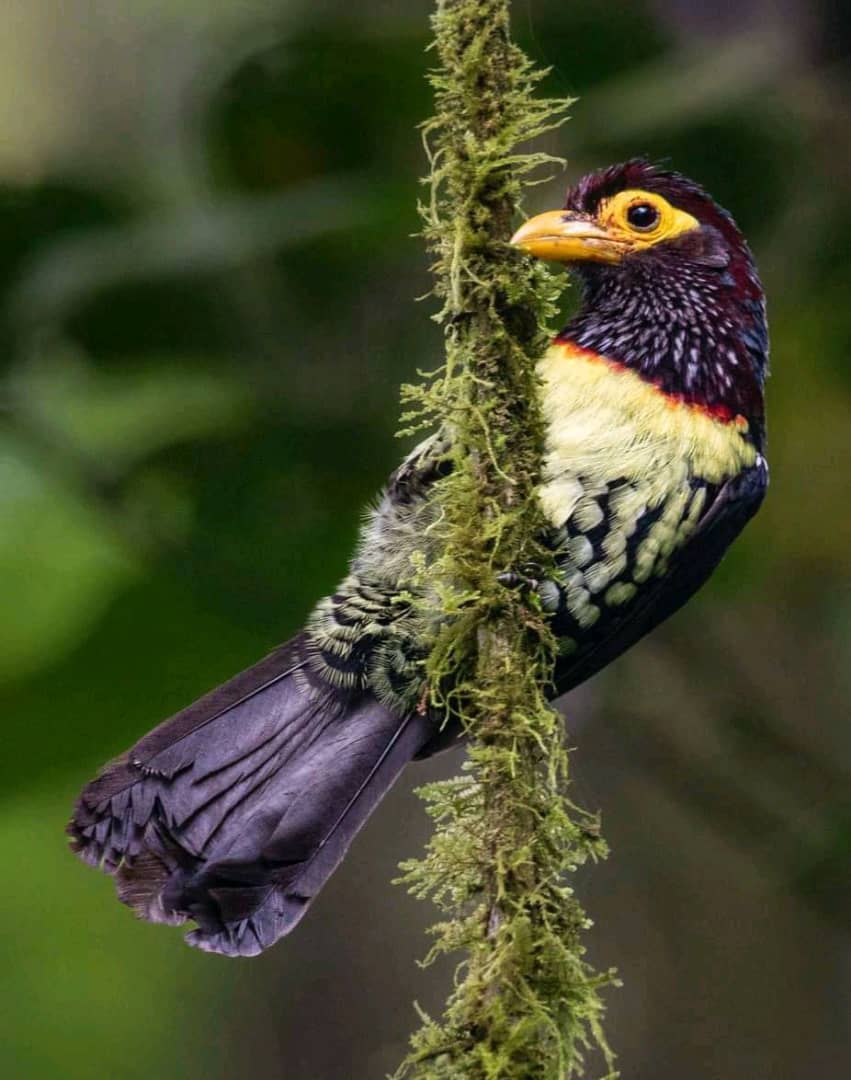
(643, 216)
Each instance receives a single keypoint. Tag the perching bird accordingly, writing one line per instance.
(234, 812)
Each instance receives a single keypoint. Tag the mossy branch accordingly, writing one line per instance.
(526, 1004)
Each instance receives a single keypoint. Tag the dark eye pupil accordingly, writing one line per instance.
(642, 216)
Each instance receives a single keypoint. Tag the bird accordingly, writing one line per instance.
(233, 813)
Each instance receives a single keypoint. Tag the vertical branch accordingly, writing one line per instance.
(526, 1003)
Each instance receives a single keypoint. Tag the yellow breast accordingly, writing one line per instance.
(607, 426)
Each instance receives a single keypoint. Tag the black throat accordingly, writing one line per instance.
(697, 330)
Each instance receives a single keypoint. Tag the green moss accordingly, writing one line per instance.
(526, 1004)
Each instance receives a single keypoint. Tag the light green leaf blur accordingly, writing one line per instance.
(60, 563)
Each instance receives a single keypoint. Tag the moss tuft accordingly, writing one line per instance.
(526, 1004)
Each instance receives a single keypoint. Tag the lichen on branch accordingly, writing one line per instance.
(526, 1003)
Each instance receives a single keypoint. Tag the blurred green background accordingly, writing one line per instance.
(207, 283)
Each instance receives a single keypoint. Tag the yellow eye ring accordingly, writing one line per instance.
(645, 217)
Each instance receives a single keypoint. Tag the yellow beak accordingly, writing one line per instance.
(565, 236)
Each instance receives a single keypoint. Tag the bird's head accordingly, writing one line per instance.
(671, 288)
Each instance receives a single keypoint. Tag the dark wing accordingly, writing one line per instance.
(733, 506)
(235, 811)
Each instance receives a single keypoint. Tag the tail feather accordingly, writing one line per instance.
(234, 812)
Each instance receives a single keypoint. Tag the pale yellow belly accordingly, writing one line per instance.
(626, 475)
(606, 424)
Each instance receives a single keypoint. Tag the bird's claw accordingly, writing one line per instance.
(511, 579)
(529, 578)
(532, 579)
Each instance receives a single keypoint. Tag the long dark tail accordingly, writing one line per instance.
(235, 811)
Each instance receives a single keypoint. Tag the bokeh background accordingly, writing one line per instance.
(207, 283)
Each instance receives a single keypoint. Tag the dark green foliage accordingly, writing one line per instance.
(526, 1003)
